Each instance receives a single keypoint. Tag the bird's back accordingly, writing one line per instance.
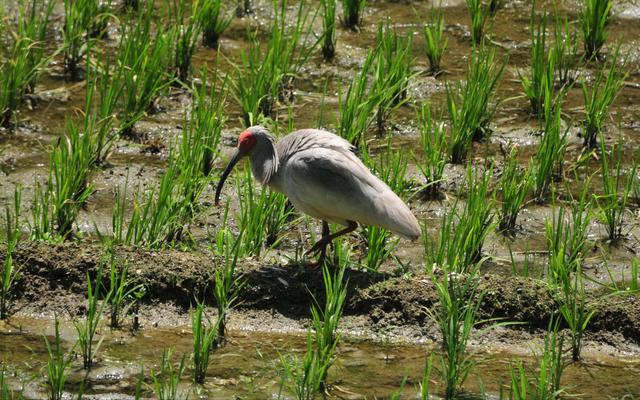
(323, 178)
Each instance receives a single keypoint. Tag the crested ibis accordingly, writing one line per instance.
(323, 178)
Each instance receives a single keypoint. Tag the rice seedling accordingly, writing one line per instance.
(143, 59)
(598, 97)
(56, 206)
(57, 365)
(567, 236)
(327, 319)
(546, 384)
(227, 283)
(183, 34)
(79, 15)
(435, 42)
(255, 86)
(433, 141)
(268, 75)
(543, 65)
(550, 155)
(166, 381)
(328, 29)
(24, 60)
(204, 340)
(33, 22)
(10, 272)
(301, 376)
(392, 71)
(261, 216)
(15, 76)
(456, 314)
(478, 13)
(357, 104)
(462, 233)
(611, 203)
(98, 121)
(352, 12)
(566, 54)
(88, 328)
(213, 22)
(123, 291)
(469, 104)
(515, 183)
(594, 18)
(570, 296)
(155, 215)
(426, 376)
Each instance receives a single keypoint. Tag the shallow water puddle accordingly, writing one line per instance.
(248, 367)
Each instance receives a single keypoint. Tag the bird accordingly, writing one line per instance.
(322, 177)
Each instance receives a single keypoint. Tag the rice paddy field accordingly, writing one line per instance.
(510, 128)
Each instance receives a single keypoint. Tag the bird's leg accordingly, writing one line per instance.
(321, 245)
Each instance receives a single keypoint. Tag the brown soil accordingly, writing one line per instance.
(54, 280)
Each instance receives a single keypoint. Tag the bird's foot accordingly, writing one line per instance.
(319, 248)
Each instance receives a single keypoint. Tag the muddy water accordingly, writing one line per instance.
(249, 366)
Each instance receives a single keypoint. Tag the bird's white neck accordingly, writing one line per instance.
(264, 160)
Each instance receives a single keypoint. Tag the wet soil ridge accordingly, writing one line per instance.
(54, 278)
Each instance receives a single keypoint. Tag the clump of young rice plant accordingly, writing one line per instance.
(357, 105)
(478, 14)
(10, 273)
(391, 72)
(268, 75)
(123, 291)
(79, 16)
(546, 384)
(550, 155)
(456, 314)
(15, 75)
(142, 61)
(461, 237)
(469, 103)
(227, 282)
(165, 381)
(594, 18)
(515, 183)
(25, 59)
(598, 97)
(564, 276)
(213, 22)
(328, 29)
(183, 33)
(307, 377)
(568, 236)
(33, 21)
(611, 203)
(88, 328)
(435, 42)
(245, 7)
(543, 65)
(566, 53)
(56, 206)
(352, 11)
(57, 365)
(434, 151)
(204, 340)
(261, 216)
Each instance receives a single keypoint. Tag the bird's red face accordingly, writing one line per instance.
(246, 141)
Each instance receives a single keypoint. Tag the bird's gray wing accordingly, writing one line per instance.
(336, 186)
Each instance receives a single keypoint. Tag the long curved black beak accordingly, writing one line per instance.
(234, 160)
